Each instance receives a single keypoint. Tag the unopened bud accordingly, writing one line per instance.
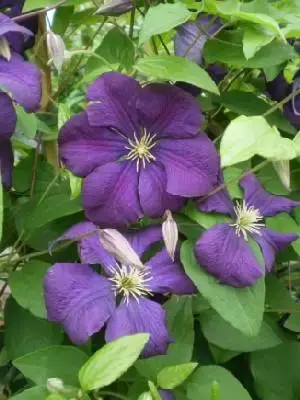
(4, 48)
(283, 170)
(56, 49)
(118, 246)
(170, 234)
(55, 385)
(145, 396)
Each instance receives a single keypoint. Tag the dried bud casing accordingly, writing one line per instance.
(5, 49)
(170, 234)
(118, 246)
(56, 49)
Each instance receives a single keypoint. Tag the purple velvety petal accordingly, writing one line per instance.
(8, 116)
(22, 80)
(137, 317)
(168, 276)
(278, 88)
(113, 103)
(83, 147)
(191, 165)
(227, 256)
(219, 202)
(110, 195)
(90, 247)
(78, 298)
(115, 8)
(142, 240)
(169, 111)
(187, 87)
(152, 191)
(268, 204)
(6, 162)
(189, 40)
(216, 72)
(7, 25)
(166, 394)
(293, 113)
(272, 242)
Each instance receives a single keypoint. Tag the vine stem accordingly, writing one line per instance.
(37, 12)
(132, 19)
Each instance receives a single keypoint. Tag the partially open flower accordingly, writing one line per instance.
(56, 49)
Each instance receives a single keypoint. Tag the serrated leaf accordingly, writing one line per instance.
(171, 377)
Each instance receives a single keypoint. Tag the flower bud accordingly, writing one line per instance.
(118, 246)
(283, 170)
(56, 50)
(170, 234)
(145, 396)
(55, 385)
(4, 48)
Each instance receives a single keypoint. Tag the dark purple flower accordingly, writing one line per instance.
(115, 7)
(166, 394)
(139, 150)
(84, 301)
(224, 249)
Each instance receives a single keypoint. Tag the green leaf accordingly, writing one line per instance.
(112, 361)
(162, 18)
(176, 69)
(171, 377)
(283, 222)
(1, 208)
(207, 220)
(265, 20)
(34, 4)
(181, 328)
(154, 391)
(246, 136)
(220, 333)
(25, 333)
(254, 39)
(61, 362)
(30, 279)
(35, 393)
(64, 114)
(215, 383)
(242, 307)
(26, 123)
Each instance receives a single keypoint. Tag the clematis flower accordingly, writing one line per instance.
(224, 250)
(83, 301)
(139, 150)
(22, 81)
(166, 394)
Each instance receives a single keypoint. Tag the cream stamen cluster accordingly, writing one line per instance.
(247, 220)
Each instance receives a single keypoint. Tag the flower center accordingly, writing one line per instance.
(5, 49)
(247, 220)
(140, 149)
(130, 281)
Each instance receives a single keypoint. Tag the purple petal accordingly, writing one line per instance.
(291, 115)
(22, 80)
(8, 116)
(78, 298)
(152, 191)
(137, 317)
(7, 26)
(166, 394)
(84, 148)
(110, 195)
(268, 204)
(169, 111)
(216, 72)
(278, 88)
(90, 247)
(227, 256)
(113, 103)
(189, 40)
(191, 165)
(168, 276)
(6, 162)
(272, 242)
(144, 238)
(115, 8)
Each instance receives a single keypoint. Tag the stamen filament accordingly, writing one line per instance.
(139, 149)
(247, 220)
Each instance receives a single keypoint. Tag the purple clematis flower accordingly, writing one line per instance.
(224, 249)
(26, 92)
(139, 150)
(83, 301)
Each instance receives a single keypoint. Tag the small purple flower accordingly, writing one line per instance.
(22, 81)
(166, 394)
(224, 250)
(83, 301)
(139, 150)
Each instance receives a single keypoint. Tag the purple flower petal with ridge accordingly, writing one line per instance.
(138, 317)
(115, 8)
(166, 394)
(113, 103)
(228, 257)
(271, 242)
(278, 88)
(169, 276)
(8, 116)
(168, 111)
(142, 240)
(6, 162)
(191, 165)
(268, 204)
(7, 25)
(84, 148)
(152, 191)
(22, 80)
(78, 298)
(110, 195)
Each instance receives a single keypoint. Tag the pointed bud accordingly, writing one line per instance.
(170, 234)
(4, 48)
(56, 50)
(118, 246)
(145, 396)
(283, 170)
(55, 385)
